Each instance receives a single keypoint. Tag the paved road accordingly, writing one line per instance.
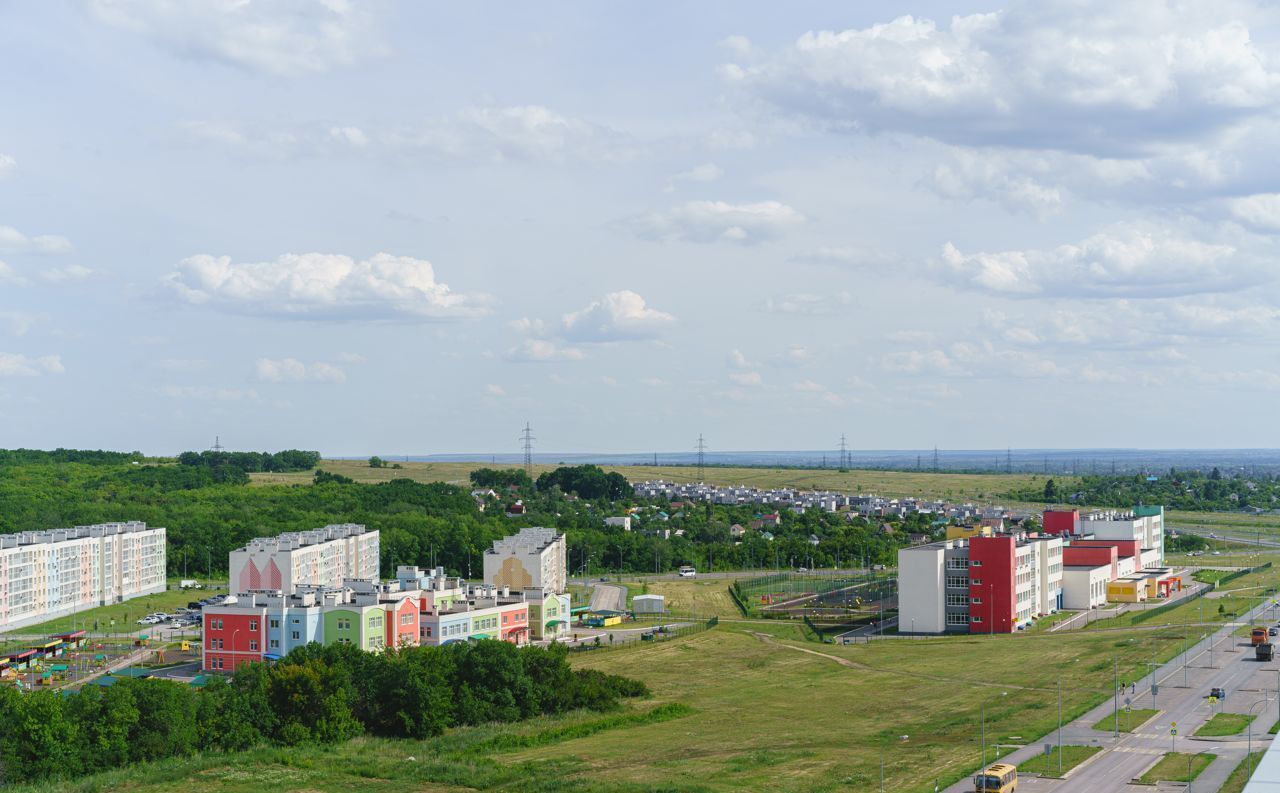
(1230, 665)
(1253, 539)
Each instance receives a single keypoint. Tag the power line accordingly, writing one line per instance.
(702, 457)
(527, 437)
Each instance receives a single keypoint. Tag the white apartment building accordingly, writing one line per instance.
(536, 558)
(319, 557)
(1144, 525)
(49, 574)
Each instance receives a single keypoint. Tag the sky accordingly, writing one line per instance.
(410, 228)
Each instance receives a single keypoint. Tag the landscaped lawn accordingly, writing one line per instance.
(1048, 765)
(1129, 721)
(1224, 724)
(1241, 773)
(125, 614)
(1173, 768)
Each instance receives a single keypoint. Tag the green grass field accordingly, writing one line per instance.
(1240, 774)
(1224, 724)
(705, 598)
(765, 712)
(1173, 768)
(1129, 721)
(1048, 765)
(125, 614)
(887, 483)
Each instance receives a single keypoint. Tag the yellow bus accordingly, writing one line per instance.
(997, 778)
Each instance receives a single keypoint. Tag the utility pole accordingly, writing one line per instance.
(1059, 725)
(1117, 697)
(702, 458)
(528, 439)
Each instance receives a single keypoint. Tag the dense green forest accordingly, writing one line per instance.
(314, 695)
(1185, 490)
(423, 524)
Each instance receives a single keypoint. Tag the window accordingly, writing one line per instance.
(275, 623)
(957, 563)
(275, 644)
(253, 625)
(975, 563)
(957, 619)
(977, 601)
(957, 600)
(253, 645)
(975, 619)
(957, 582)
(295, 636)
(977, 582)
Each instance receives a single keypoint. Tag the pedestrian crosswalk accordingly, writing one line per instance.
(1138, 750)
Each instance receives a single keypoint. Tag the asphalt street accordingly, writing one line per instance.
(1183, 685)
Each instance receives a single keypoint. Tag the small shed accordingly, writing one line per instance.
(649, 604)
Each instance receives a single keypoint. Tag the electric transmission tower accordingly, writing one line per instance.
(1008, 461)
(935, 458)
(844, 453)
(702, 457)
(528, 439)
(217, 444)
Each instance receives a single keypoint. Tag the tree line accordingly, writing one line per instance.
(1189, 490)
(314, 695)
(253, 462)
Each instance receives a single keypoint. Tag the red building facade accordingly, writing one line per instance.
(1062, 521)
(233, 637)
(991, 584)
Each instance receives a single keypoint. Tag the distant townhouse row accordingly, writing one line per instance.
(799, 501)
(984, 580)
(49, 574)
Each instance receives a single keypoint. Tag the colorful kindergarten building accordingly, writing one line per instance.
(985, 580)
(49, 574)
(418, 608)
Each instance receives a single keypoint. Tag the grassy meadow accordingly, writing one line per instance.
(985, 487)
(735, 709)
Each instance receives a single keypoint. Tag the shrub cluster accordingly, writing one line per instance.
(314, 695)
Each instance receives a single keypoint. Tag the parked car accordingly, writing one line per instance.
(1219, 692)
(1272, 631)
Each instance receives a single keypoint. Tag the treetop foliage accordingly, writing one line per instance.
(586, 481)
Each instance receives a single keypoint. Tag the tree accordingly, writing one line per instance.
(1050, 491)
(376, 462)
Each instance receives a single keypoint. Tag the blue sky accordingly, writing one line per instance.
(409, 228)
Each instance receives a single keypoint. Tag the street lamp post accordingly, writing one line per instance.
(882, 746)
(1191, 757)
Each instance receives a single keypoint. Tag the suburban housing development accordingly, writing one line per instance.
(522, 600)
(49, 574)
(984, 579)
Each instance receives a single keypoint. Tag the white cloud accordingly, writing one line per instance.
(19, 365)
(495, 390)
(707, 172)
(717, 221)
(291, 370)
(618, 316)
(1068, 75)
(543, 350)
(978, 174)
(351, 357)
(19, 322)
(7, 164)
(807, 304)
(320, 285)
(795, 355)
(208, 393)
(739, 361)
(1260, 211)
(746, 378)
(57, 275)
(14, 241)
(1123, 261)
(290, 37)
(818, 391)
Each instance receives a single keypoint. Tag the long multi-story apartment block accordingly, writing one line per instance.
(49, 574)
(320, 557)
(535, 558)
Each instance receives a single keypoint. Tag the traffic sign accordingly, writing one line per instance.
(1154, 689)
(1212, 700)
(1048, 748)
(1174, 731)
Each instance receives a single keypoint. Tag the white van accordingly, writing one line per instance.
(688, 571)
